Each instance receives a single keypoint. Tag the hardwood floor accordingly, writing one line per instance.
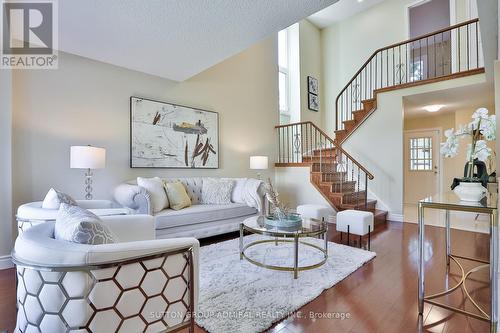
(380, 297)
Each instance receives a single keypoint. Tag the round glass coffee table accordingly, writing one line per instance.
(308, 228)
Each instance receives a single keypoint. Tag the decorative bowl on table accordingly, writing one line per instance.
(290, 220)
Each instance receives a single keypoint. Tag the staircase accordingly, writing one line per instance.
(340, 179)
(441, 55)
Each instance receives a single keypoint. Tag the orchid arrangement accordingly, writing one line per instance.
(482, 128)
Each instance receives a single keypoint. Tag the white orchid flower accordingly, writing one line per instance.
(481, 113)
(481, 151)
(449, 132)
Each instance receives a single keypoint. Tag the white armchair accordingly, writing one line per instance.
(135, 285)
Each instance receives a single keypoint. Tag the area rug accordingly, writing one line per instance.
(239, 297)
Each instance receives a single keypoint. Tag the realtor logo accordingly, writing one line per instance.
(29, 35)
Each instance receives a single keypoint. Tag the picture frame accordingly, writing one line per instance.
(312, 85)
(313, 102)
(172, 136)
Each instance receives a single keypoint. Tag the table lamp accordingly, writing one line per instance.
(259, 163)
(90, 158)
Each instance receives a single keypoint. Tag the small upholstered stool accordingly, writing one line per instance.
(357, 222)
(318, 212)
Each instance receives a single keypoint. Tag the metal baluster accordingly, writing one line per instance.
(467, 47)
(435, 61)
(477, 46)
(412, 59)
(370, 87)
(279, 144)
(399, 64)
(442, 54)
(357, 192)
(459, 67)
(406, 65)
(366, 190)
(387, 67)
(427, 54)
(393, 69)
(288, 145)
(420, 57)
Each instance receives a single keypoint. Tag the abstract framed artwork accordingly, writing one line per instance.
(313, 102)
(166, 135)
(312, 85)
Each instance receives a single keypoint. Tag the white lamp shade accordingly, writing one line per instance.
(259, 162)
(87, 157)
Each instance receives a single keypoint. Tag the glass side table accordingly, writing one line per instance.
(450, 202)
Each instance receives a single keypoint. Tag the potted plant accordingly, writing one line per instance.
(480, 130)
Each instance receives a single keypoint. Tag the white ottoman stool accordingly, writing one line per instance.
(357, 222)
(318, 212)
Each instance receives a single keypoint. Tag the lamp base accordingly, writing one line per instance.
(88, 184)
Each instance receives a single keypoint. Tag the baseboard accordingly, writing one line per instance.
(5, 262)
(395, 217)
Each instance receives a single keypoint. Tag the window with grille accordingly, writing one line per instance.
(421, 154)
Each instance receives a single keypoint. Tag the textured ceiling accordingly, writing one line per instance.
(174, 39)
(469, 97)
(339, 11)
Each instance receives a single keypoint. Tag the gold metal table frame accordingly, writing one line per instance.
(281, 236)
(449, 202)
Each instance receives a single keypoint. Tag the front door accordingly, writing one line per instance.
(421, 154)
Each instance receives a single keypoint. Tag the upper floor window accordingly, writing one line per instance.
(284, 77)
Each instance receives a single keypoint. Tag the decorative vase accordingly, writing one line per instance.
(289, 220)
(468, 191)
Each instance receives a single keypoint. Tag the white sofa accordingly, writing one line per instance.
(130, 286)
(199, 220)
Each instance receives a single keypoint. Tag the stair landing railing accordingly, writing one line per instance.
(305, 144)
(446, 52)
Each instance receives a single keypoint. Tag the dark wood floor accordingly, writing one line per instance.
(380, 297)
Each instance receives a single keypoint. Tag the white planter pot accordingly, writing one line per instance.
(470, 191)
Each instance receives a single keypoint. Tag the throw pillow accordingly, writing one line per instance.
(154, 186)
(239, 189)
(177, 195)
(55, 198)
(216, 191)
(78, 225)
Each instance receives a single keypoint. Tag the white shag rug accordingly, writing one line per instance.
(239, 297)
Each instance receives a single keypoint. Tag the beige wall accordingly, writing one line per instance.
(6, 163)
(295, 187)
(310, 65)
(87, 102)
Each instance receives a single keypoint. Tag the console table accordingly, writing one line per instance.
(450, 202)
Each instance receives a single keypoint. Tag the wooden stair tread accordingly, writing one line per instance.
(369, 202)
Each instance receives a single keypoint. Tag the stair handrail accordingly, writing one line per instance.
(385, 48)
(368, 173)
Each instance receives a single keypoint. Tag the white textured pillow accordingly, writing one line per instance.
(78, 225)
(216, 191)
(55, 198)
(154, 186)
(238, 193)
